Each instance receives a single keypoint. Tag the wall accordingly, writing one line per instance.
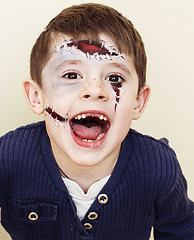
(168, 33)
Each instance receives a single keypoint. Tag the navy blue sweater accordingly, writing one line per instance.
(146, 189)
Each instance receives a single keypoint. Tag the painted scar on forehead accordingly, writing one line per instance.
(58, 118)
(91, 49)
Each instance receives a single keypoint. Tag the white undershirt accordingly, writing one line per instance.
(82, 200)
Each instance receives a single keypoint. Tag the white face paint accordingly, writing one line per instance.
(87, 89)
(78, 51)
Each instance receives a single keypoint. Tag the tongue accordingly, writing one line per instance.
(89, 133)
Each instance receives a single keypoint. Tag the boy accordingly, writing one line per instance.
(83, 173)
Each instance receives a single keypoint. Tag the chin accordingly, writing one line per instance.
(87, 162)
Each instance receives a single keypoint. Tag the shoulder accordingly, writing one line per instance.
(147, 138)
(157, 160)
(23, 131)
(151, 145)
(18, 148)
(27, 127)
(154, 149)
(17, 141)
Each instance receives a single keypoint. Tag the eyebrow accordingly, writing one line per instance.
(72, 62)
(112, 64)
(122, 66)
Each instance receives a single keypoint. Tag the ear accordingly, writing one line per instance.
(34, 96)
(141, 102)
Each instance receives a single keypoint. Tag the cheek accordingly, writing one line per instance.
(127, 105)
(55, 87)
(62, 94)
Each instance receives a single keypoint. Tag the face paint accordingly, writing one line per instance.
(118, 90)
(91, 49)
(66, 76)
(58, 118)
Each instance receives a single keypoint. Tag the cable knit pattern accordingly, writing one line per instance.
(147, 188)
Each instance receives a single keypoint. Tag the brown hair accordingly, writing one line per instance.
(90, 20)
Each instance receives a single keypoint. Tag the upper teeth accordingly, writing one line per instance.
(80, 116)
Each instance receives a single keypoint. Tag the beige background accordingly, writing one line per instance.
(167, 28)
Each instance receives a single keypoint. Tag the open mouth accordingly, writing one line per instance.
(89, 128)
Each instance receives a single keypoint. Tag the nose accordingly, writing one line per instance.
(94, 90)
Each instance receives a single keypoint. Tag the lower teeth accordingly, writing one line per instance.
(98, 138)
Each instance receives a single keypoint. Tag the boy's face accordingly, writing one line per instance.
(96, 98)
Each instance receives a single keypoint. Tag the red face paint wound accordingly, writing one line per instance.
(117, 87)
(58, 118)
(90, 48)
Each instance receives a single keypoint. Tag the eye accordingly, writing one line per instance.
(72, 75)
(115, 78)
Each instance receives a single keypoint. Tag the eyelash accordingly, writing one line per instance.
(78, 76)
(120, 77)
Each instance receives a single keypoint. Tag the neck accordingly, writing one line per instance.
(86, 176)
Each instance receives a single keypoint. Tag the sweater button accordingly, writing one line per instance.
(102, 198)
(92, 215)
(33, 216)
(87, 226)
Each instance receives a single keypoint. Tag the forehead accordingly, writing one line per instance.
(87, 48)
(65, 50)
